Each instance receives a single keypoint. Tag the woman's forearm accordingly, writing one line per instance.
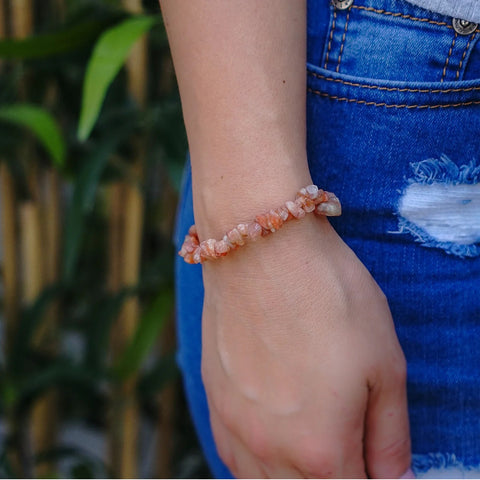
(241, 72)
(301, 365)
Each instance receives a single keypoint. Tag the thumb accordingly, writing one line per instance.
(387, 432)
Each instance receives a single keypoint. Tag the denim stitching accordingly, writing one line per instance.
(330, 40)
(470, 40)
(343, 42)
(391, 105)
(401, 15)
(393, 89)
(448, 57)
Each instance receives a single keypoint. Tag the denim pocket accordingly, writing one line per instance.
(388, 136)
(390, 40)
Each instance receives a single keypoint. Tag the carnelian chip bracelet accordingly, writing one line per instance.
(308, 199)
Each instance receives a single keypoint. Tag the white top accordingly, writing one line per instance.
(463, 9)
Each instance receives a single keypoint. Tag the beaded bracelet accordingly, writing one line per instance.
(308, 199)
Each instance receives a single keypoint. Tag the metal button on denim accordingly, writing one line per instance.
(342, 4)
(464, 27)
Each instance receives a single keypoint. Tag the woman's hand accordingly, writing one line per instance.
(301, 364)
(302, 367)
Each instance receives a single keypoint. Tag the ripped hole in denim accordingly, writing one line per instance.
(440, 206)
(442, 465)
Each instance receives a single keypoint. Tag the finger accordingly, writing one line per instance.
(222, 437)
(387, 439)
(242, 456)
(246, 465)
(281, 471)
(331, 457)
(234, 453)
(330, 446)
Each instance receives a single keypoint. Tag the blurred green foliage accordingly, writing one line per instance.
(85, 131)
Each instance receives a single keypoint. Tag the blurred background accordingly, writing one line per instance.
(92, 147)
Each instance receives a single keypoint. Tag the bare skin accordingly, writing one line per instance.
(302, 367)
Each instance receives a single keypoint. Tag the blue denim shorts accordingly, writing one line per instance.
(393, 123)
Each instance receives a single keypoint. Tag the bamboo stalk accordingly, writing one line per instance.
(52, 236)
(168, 402)
(133, 6)
(43, 413)
(52, 224)
(31, 239)
(21, 18)
(31, 251)
(125, 225)
(50, 239)
(3, 24)
(10, 278)
(115, 195)
(137, 71)
(124, 271)
(132, 246)
(132, 235)
(10, 253)
(51, 208)
(61, 9)
(10, 299)
(137, 61)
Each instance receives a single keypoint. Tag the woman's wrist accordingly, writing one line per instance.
(308, 199)
(297, 243)
(236, 195)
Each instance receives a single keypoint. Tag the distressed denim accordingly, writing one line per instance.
(393, 128)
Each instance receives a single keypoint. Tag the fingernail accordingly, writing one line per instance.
(408, 474)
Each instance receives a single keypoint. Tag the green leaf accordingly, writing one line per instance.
(46, 45)
(151, 324)
(41, 123)
(108, 57)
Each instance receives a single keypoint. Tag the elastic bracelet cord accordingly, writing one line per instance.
(308, 199)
